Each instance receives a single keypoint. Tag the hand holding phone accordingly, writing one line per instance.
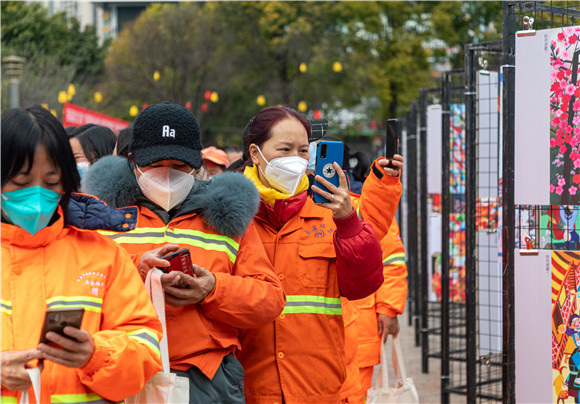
(56, 319)
(392, 141)
(327, 153)
(179, 261)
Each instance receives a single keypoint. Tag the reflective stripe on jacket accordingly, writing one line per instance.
(300, 357)
(66, 267)
(389, 300)
(247, 293)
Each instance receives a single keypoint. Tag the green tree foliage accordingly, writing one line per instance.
(244, 49)
(56, 49)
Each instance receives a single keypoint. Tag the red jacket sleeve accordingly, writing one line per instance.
(358, 257)
(379, 199)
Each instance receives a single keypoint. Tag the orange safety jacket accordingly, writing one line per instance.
(215, 222)
(247, 294)
(389, 300)
(63, 266)
(379, 199)
(300, 357)
(350, 313)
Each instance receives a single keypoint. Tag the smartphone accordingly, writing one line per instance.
(56, 319)
(392, 140)
(179, 261)
(327, 153)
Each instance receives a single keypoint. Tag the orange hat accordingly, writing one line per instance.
(215, 155)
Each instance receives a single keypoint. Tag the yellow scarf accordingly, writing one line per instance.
(270, 195)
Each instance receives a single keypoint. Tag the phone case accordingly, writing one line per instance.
(179, 261)
(327, 152)
(56, 319)
(392, 140)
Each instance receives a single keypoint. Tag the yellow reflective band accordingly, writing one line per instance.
(87, 302)
(395, 259)
(6, 307)
(8, 400)
(147, 338)
(210, 242)
(76, 398)
(300, 304)
(194, 238)
(358, 212)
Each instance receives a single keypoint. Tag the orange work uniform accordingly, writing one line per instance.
(389, 300)
(247, 294)
(63, 266)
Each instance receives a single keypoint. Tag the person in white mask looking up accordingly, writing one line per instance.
(320, 252)
(233, 285)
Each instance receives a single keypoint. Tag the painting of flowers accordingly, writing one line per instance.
(564, 117)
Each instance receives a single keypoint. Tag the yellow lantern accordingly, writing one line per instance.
(156, 76)
(214, 97)
(261, 100)
(337, 67)
(133, 111)
(302, 67)
(98, 97)
(302, 107)
(71, 91)
(53, 112)
(62, 97)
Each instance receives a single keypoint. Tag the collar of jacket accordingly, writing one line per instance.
(14, 235)
(282, 211)
(227, 202)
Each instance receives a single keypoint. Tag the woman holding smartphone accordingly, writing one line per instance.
(49, 261)
(320, 252)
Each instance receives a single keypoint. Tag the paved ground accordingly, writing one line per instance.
(428, 385)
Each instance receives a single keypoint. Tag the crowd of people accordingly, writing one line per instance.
(288, 300)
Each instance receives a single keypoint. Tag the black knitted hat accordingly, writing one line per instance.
(166, 132)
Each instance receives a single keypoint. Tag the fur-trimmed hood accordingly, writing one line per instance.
(227, 202)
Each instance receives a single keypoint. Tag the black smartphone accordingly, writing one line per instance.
(327, 153)
(56, 319)
(392, 140)
(179, 261)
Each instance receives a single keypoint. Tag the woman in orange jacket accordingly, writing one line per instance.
(320, 252)
(50, 262)
(233, 284)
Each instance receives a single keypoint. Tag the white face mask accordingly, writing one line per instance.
(165, 186)
(284, 173)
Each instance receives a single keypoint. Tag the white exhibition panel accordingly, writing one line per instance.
(434, 157)
(533, 333)
(532, 119)
(433, 247)
(488, 136)
(490, 293)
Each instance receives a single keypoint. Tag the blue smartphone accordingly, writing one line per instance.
(327, 153)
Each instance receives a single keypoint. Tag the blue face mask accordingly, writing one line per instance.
(82, 168)
(311, 167)
(30, 208)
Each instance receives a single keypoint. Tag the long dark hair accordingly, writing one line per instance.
(258, 130)
(97, 141)
(23, 130)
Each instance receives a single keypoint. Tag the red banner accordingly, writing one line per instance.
(74, 115)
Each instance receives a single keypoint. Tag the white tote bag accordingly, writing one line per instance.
(164, 387)
(34, 374)
(404, 391)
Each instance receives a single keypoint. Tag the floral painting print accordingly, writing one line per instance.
(565, 117)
